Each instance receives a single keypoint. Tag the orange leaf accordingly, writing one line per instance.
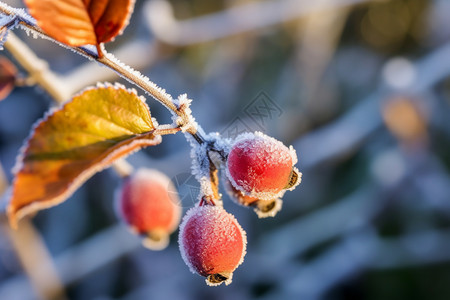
(71, 144)
(81, 22)
(8, 73)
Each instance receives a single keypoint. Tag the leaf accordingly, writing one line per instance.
(81, 22)
(71, 144)
(8, 73)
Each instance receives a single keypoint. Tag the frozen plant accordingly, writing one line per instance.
(101, 125)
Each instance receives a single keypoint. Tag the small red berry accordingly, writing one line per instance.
(263, 208)
(212, 243)
(261, 166)
(149, 204)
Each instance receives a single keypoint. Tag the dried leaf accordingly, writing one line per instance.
(8, 73)
(81, 22)
(83, 137)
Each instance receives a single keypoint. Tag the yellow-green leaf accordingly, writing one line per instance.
(72, 143)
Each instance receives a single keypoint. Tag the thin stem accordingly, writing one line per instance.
(99, 51)
(109, 61)
(36, 67)
(164, 130)
(140, 81)
(35, 259)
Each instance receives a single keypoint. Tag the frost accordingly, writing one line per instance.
(217, 236)
(6, 23)
(18, 13)
(140, 78)
(183, 103)
(200, 157)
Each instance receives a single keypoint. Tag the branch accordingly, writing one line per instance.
(36, 260)
(27, 23)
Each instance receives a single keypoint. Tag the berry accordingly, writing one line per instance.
(212, 243)
(263, 208)
(261, 167)
(148, 203)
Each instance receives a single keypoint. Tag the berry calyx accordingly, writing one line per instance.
(212, 243)
(262, 167)
(148, 203)
(263, 208)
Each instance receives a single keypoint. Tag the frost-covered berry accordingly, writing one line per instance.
(261, 166)
(212, 243)
(263, 208)
(149, 204)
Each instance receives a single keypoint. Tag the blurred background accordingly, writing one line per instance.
(359, 88)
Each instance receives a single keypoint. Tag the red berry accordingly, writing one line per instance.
(149, 204)
(263, 208)
(261, 167)
(212, 243)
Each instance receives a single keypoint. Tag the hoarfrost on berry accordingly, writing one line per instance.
(261, 166)
(212, 243)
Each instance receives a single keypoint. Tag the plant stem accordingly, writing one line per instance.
(142, 82)
(26, 22)
(36, 68)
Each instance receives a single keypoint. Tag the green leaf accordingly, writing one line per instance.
(71, 144)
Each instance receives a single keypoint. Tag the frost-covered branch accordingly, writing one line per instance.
(26, 22)
(45, 78)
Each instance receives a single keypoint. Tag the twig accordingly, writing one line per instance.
(28, 23)
(36, 260)
(36, 68)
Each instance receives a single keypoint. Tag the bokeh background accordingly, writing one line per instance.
(359, 88)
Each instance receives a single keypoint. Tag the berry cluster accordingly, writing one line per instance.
(257, 172)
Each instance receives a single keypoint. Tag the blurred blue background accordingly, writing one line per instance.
(359, 88)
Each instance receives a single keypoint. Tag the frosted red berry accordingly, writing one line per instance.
(212, 243)
(148, 203)
(261, 167)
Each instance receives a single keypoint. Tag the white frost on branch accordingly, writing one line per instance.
(184, 120)
(6, 23)
(142, 78)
